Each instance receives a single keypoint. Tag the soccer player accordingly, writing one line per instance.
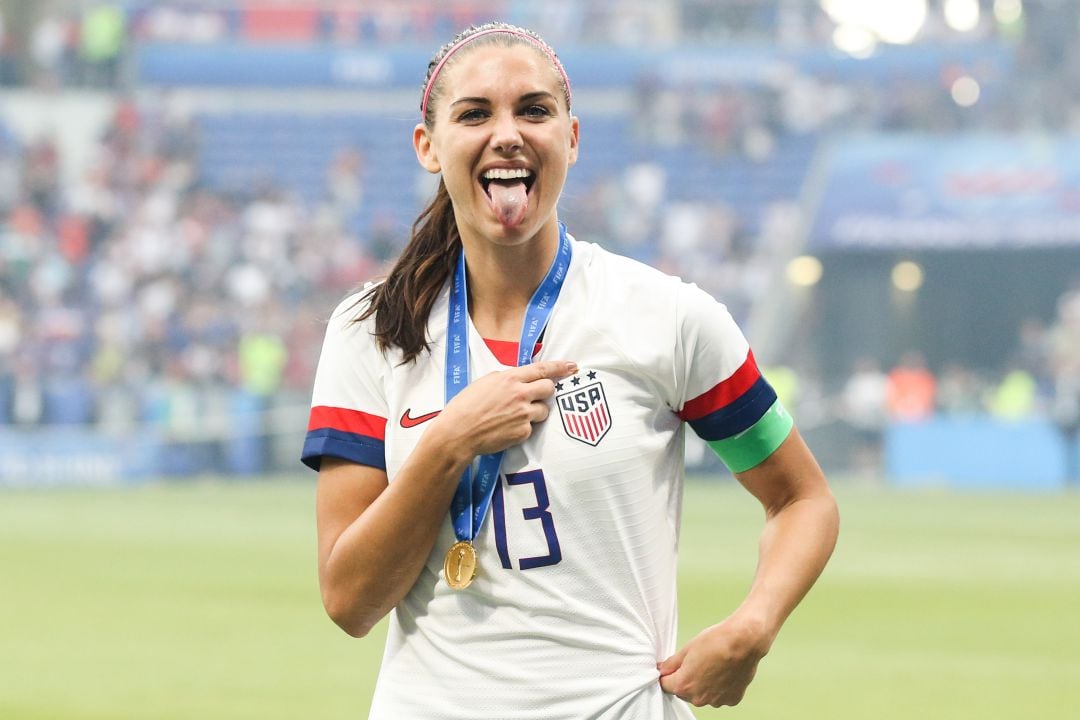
(498, 428)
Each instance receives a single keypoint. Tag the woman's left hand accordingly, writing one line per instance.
(801, 524)
(716, 666)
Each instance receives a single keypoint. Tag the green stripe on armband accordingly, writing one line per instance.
(750, 447)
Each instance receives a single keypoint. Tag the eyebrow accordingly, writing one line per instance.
(524, 98)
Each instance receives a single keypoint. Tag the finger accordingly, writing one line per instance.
(672, 664)
(551, 369)
(671, 684)
(539, 390)
(539, 412)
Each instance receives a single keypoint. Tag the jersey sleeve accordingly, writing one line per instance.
(348, 402)
(725, 398)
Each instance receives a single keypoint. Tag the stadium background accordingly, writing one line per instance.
(886, 195)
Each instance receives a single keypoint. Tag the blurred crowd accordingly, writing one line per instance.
(1040, 380)
(135, 296)
(78, 43)
(70, 35)
(67, 44)
(85, 43)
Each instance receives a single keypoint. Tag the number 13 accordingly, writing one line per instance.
(537, 512)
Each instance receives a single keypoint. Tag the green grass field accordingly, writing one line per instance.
(199, 600)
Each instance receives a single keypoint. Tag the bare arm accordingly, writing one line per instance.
(801, 526)
(373, 536)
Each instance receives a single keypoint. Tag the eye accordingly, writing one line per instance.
(472, 115)
(537, 111)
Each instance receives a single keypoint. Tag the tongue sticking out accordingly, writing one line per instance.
(509, 200)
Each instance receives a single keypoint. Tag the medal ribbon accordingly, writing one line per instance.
(473, 495)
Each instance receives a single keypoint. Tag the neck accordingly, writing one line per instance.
(502, 280)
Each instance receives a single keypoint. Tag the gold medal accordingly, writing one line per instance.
(459, 567)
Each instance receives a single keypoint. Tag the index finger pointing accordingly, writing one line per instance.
(551, 369)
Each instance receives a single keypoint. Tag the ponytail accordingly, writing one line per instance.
(402, 303)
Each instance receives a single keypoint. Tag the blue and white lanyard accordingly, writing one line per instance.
(473, 496)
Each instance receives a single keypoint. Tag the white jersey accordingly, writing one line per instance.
(574, 602)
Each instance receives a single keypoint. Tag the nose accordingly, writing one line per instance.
(505, 134)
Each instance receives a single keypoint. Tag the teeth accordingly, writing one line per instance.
(506, 174)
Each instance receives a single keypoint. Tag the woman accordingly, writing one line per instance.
(498, 429)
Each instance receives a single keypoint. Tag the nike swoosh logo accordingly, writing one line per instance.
(407, 421)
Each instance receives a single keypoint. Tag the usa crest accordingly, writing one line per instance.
(584, 411)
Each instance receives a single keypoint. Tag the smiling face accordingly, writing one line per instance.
(503, 139)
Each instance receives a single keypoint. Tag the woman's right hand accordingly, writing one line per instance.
(375, 536)
(497, 411)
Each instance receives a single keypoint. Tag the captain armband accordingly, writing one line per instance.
(751, 447)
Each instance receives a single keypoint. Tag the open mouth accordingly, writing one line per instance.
(507, 190)
(507, 178)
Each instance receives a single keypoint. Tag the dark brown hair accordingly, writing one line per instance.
(402, 303)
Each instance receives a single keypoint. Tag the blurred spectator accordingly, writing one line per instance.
(27, 394)
(1065, 371)
(102, 40)
(8, 57)
(1014, 398)
(1033, 348)
(959, 391)
(785, 381)
(912, 389)
(41, 176)
(52, 50)
(344, 183)
(864, 406)
(10, 169)
(262, 358)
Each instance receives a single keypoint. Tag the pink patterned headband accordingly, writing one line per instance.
(465, 41)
